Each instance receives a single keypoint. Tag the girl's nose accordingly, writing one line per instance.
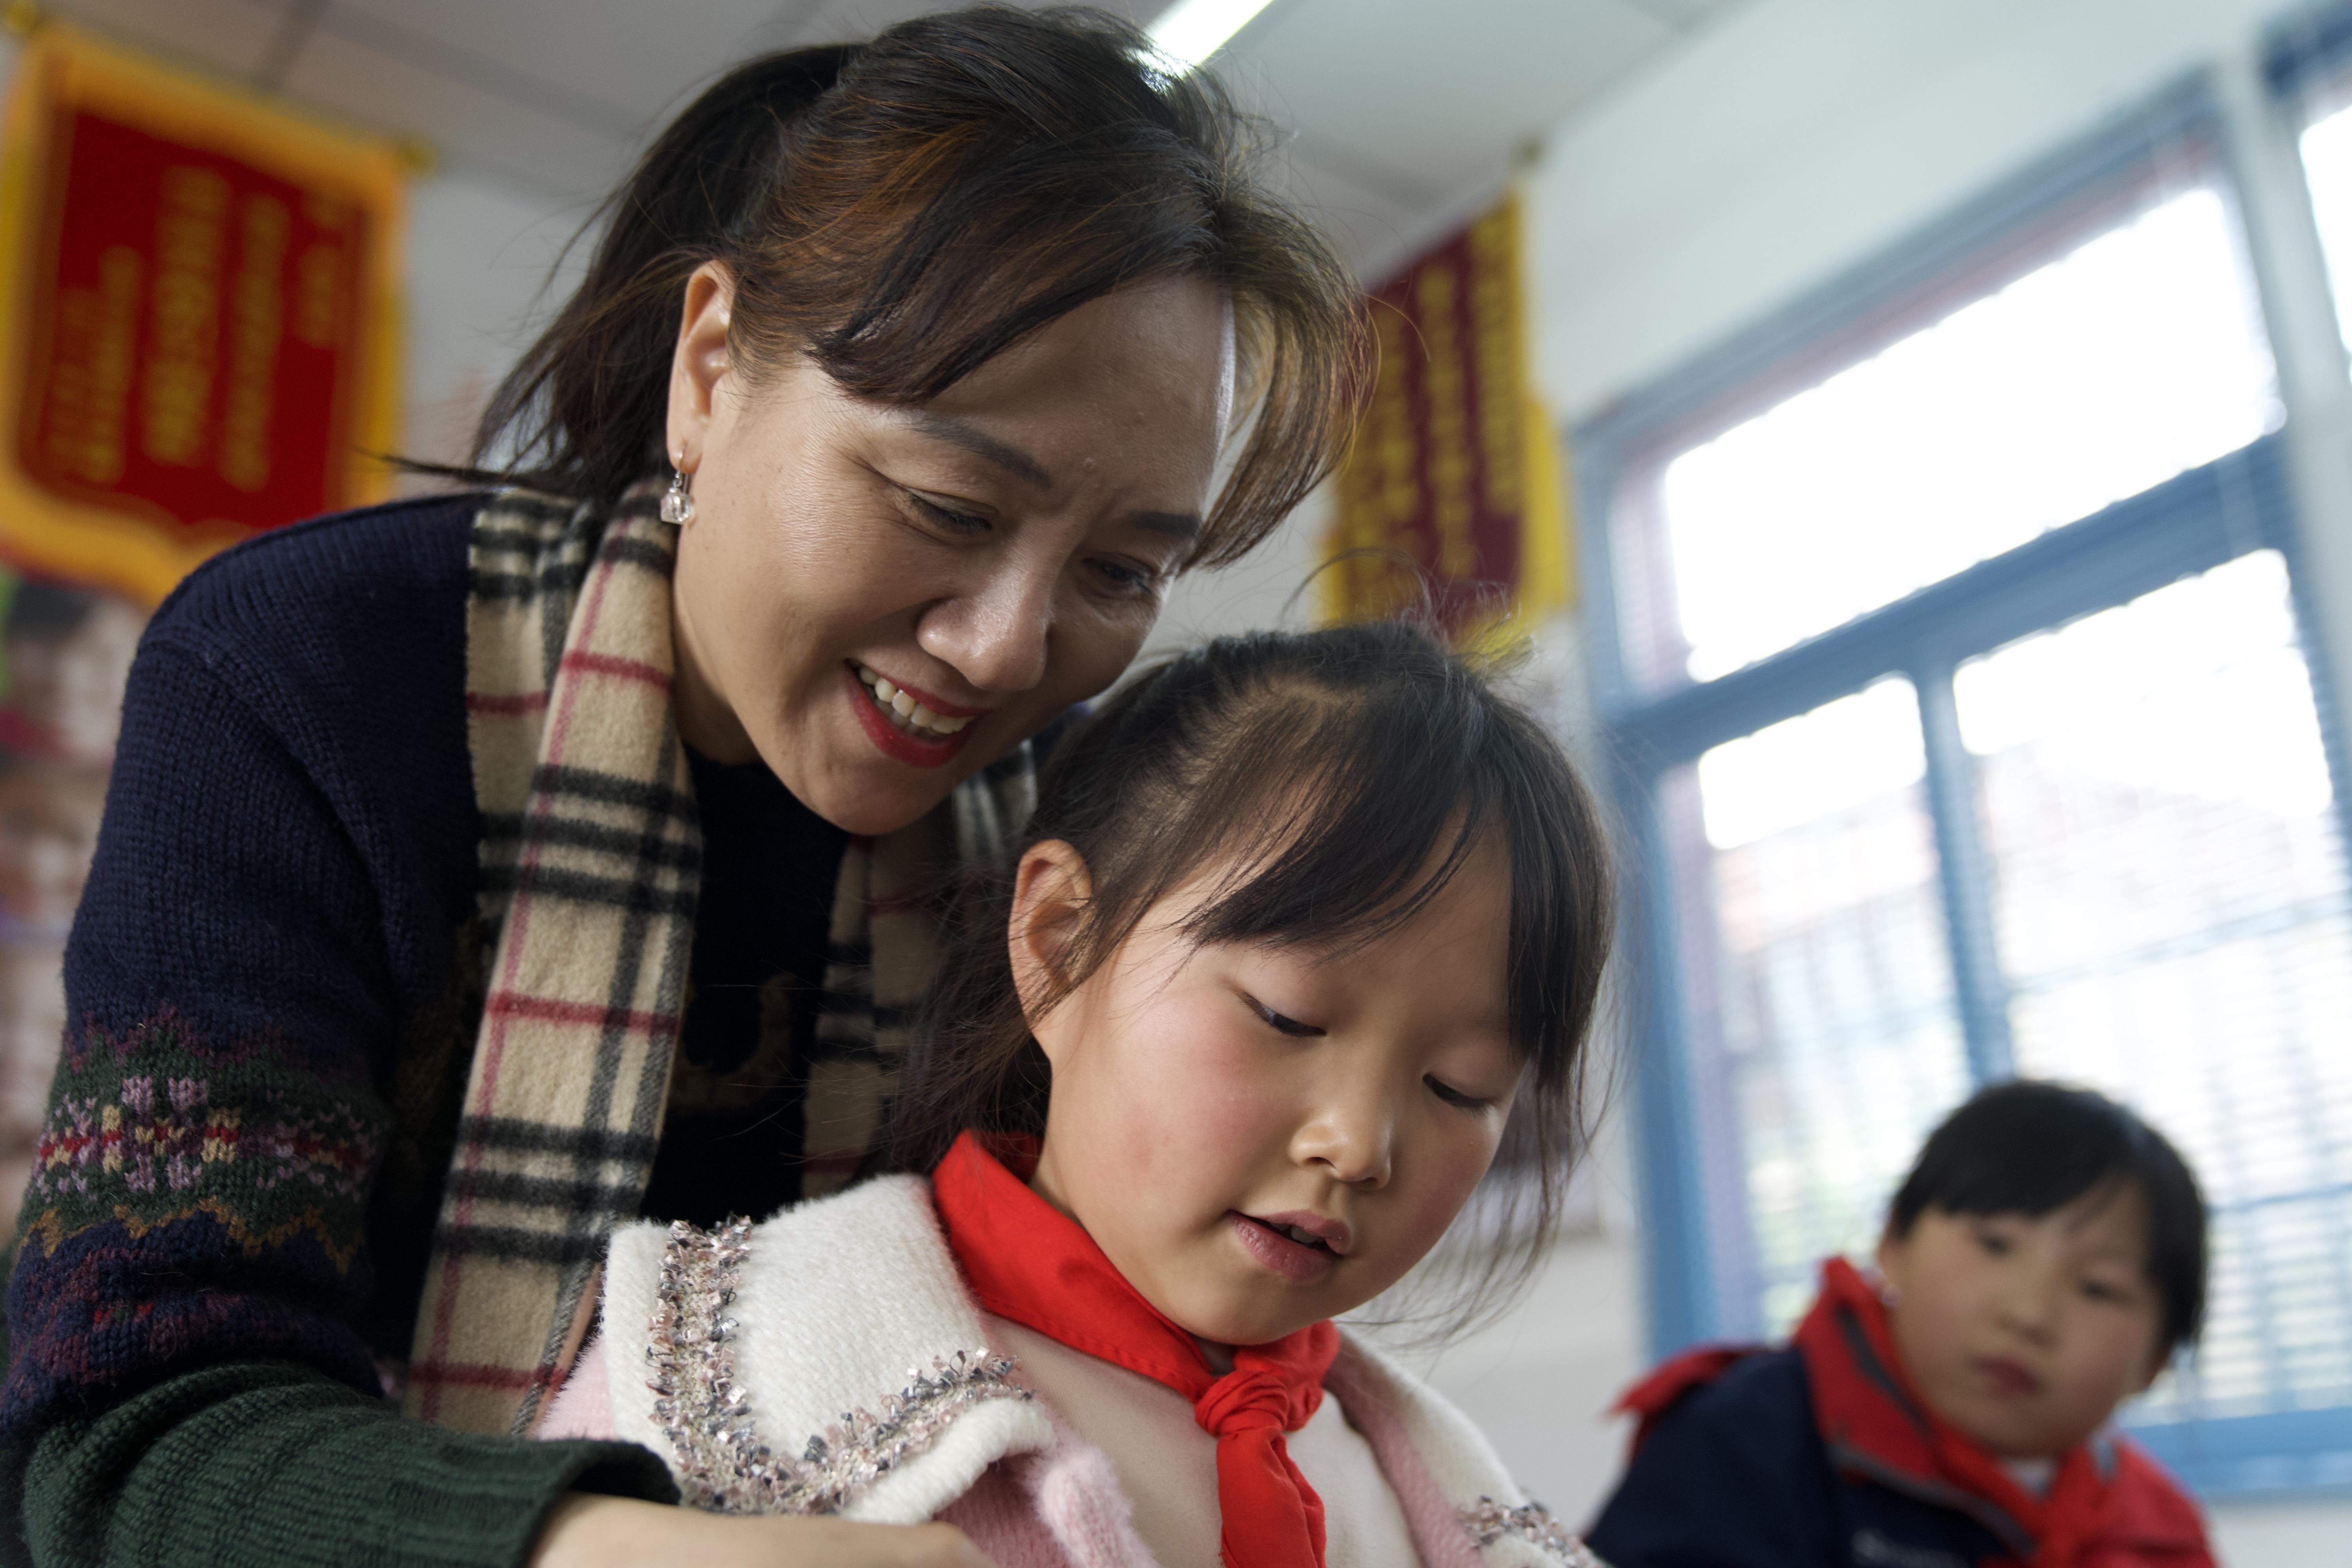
(1352, 1144)
(995, 635)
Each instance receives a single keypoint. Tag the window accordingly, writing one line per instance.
(1952, 647)
(2310, 66)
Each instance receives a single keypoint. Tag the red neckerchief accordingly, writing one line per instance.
(1027, 1261)
(2108, 1505)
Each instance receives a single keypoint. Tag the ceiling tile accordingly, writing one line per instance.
(1683, 15)
(1439, 93)
(1364, 221)
(228, 36)
(533, 144)
(633, 57)
(839, 21)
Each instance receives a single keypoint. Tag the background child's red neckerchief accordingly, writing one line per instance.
(2109, 1509)
(1026, 1261)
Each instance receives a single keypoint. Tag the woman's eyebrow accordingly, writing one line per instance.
(980, 443)
(1182, 526)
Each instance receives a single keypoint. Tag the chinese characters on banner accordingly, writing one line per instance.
(1453, 487)
(198, 315)
(199, 326)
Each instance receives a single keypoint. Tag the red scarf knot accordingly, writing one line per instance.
(1028, 1262)
(1253, 1399)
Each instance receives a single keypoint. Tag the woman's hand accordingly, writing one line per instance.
(586, 1531)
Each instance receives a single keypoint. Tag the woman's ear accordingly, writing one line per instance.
(1051, 889)
(700, 360)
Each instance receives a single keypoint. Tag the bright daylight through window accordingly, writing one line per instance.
(2085, 380)
(2151, 834)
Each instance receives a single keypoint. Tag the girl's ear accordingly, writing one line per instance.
(1051, 889)
(1894, 1258)
(701, 358)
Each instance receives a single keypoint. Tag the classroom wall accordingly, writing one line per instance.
(1790, 142)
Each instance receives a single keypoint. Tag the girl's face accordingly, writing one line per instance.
(994, 555)
(2027, 1332)
(1260, 1137)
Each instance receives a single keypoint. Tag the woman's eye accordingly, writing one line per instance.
(1285, 1024)
(1125, 578)
(1451, 1095)
(947, 517)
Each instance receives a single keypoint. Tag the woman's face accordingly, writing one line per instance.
(980, 562)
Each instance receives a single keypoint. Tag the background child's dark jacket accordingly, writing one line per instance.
(1822, 1455)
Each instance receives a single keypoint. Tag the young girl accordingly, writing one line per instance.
(2041, 1263)
(1300, 922)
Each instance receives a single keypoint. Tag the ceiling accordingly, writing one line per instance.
(1397, 109)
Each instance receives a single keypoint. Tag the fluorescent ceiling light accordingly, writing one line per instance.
(1189, 31)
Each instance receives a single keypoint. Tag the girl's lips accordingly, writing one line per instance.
(1293, 1260)
(892, 741)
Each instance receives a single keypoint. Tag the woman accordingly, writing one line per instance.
(483, 871)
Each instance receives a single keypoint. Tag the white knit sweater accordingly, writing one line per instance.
(830, 1360)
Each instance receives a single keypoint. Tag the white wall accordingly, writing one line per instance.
(1800, 136)
(1793, 141)
(479, 253)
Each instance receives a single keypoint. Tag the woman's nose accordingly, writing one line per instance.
(995, 635)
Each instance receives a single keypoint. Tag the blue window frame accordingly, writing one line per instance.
(1984, 980)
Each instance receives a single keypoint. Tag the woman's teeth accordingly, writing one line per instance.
(906, 712)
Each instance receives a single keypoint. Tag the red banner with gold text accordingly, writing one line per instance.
(201, 318)
(1451, 488)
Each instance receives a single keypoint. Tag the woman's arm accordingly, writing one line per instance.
(610, 1532)
(185, 1357)
(262, 1463)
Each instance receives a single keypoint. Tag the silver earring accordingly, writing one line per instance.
(677, 501)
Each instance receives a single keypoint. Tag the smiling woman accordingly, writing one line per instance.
(484, 871)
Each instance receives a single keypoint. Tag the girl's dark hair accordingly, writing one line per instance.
(903, 210)
(1334, 782)
(2033, 1148)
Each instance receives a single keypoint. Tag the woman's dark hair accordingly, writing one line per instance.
(1334, 782)
(903, 210)
(2033, 1148)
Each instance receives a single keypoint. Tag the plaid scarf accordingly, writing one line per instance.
(590, 861)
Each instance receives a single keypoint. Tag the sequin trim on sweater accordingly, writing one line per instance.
(1489, 1521)
(721, 1462)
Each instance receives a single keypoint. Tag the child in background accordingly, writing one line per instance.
(2041, 1263)
(1299, 920)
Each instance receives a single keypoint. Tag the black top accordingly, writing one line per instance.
(731, 1139)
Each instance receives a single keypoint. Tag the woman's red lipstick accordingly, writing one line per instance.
(896, 743)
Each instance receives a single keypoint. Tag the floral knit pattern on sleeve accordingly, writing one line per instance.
(175, 1176)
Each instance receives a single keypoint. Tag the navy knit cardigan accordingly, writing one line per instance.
(274, 984)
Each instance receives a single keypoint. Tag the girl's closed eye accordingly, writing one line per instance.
(1282, 1022)
(1460, 1098)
